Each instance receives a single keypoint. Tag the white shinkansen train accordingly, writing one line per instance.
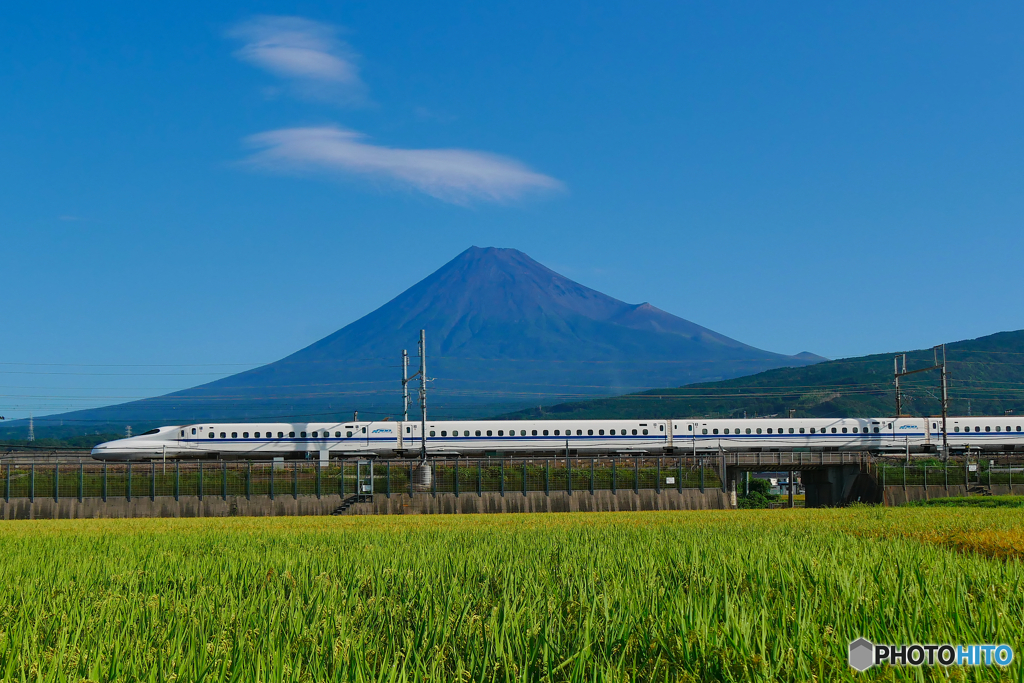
(584, 437)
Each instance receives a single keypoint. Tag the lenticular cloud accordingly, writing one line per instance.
(307, 53)
(453, 175)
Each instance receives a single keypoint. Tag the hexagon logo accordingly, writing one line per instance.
(862, 654)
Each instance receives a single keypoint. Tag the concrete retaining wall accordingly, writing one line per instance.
(897, 495)
(398, 504)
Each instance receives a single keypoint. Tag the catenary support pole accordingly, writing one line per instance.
(423, 395)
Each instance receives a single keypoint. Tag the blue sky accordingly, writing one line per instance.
(190, 189)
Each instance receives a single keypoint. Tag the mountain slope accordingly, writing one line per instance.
(503, 332)
(986, 377)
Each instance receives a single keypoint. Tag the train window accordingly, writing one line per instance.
(501, 432)
(999, 429)
(223, 435)
(489, 433)
(257, 434)
(748, 430)
(211, 435)
(348, 433)
(245, 435)
(556, 432)
(704, 431)
(590, 432)
(634, 432)
(183, 432)
(314, 435)
(408, 430)
(234, 435)
(661, 428)
(876, 430)
(801, 430)
(465, 433)
(534, 432)
(545, 432)
(303, 434)
(291, 435)
(432, 433)
(600, 432)
(977, 429)
(579, 432)
(443, 433)
(714, 431)
(727, 430)
(689, 428)
(1018, 428)
(769, 430)
(934, 425)
(844, 430)
(758, 430)
(193, 430)
(280, 435)
(988, 429)
(363, 430)
(812, 430)
(478, 432)
(956, 429)
(645, 432)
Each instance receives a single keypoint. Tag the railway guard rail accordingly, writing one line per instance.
(461, 476)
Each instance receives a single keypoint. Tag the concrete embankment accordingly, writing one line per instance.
(397, 504)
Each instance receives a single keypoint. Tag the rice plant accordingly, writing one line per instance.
(664, 596)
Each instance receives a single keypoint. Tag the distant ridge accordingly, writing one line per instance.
(503, 332)
(986, 377)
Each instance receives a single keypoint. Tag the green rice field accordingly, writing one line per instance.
(661, 596)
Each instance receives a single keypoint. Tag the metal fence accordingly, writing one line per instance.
(460, 476)
(969, 473)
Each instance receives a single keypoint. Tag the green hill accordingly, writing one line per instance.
(986, 377)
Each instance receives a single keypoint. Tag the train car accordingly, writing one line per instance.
(539, 437)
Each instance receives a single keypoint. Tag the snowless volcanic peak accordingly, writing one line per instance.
(503, 331)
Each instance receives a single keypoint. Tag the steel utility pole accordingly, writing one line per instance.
(941, 367)
(896, 373)
(945, 402)
(405, 385)
(423, 394)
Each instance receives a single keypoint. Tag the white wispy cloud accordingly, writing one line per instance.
(453, 175)
(307, 53)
